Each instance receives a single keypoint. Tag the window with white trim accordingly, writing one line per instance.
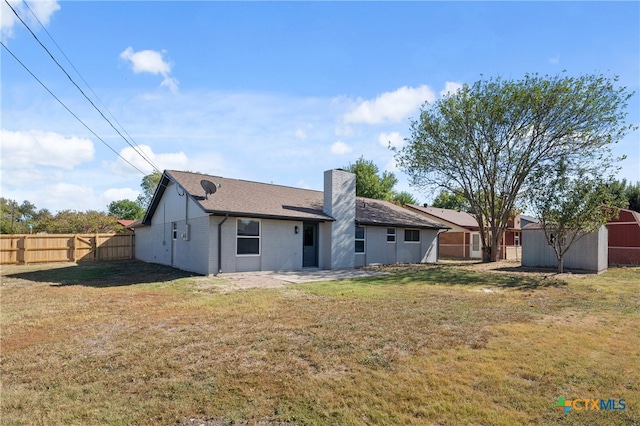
(360, 234)
(174, 230)
(412, 235)
(248, 237)
(391, 235)
(516, 239)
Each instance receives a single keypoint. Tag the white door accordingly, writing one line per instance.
(475, 246)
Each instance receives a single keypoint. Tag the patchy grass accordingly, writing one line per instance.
(133, 343)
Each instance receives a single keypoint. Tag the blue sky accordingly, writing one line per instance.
(271, 92)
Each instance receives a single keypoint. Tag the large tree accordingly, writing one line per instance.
(452, 200)
(126, 209)
(488, 139)
(403, 198)
(628, 192)
(17, 218)
(369, 183)
(569, 205)
(149, 184)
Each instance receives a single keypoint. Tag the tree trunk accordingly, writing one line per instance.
(561, 264)
(486, 254)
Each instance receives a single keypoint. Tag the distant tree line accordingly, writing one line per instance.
(25, 218)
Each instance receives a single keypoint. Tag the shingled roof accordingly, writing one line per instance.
(454, 217)
(383, 213)
(254, 199)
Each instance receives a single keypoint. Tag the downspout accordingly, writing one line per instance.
(220, 242)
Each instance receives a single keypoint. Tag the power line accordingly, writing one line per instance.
(137, 147)
(78, 87)
(67, 108)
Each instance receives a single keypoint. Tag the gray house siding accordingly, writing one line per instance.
(589, 253)
(280, 246)
(186, 247)
(429, 242)
(379, 251)
(151, 244)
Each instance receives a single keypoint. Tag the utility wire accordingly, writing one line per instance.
(80, 89)
(137, 147)
(67, 108)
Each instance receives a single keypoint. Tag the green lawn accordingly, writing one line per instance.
(132, 343)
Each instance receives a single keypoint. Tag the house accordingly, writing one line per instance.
(210, 224)
(525, 220)
(624, 238)
(588, 253)
(463, 241)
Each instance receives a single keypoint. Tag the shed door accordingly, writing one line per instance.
(309, 245)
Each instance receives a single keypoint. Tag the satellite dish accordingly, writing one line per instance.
(209, 187)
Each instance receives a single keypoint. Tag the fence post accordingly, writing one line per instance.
(25, 252)
(75, 248)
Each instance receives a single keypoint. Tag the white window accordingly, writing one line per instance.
(360, 239)
(248, 237)
(412, 235)
(391, 235)
(516, 239)
(174, 231)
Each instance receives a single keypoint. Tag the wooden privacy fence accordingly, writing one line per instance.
(47, 248)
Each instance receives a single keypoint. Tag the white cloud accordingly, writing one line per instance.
(391, 166)
(172, 160)
(151, 61)
(555, 60)
(340, 148)
(301, 134)
(450, 87)
(117, 194)
(394, 139)
(25, 150)
(42, 9)
(390, 107)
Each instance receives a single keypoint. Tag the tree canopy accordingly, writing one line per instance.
(489, 138)
(452, 200)
(369, 183)
(149, 184)
(19, 218)
(629, 193)
(403, 198)
(126, 209)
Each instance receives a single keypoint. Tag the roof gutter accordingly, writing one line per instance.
(220, 242)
